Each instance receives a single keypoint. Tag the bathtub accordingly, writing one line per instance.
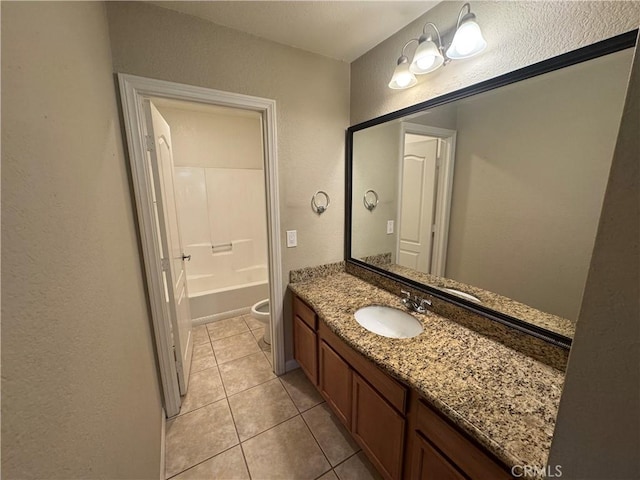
(228, 293)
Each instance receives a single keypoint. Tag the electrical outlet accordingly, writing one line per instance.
(292, 238)
(389, 226)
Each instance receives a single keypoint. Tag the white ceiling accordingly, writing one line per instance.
(343, 30)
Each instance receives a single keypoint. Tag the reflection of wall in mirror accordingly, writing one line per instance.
(375, 167)
(526, 202)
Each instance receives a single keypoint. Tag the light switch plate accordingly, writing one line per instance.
(292, 238)
(389, 226)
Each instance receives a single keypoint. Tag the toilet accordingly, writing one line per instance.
(260, 311)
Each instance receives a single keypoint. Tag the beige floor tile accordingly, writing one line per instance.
(226, 465)
(269, 357)
(246, 372)
(330, 475)
(335, 441)
(253, 323)
(204, 387)
(237, 346)
(200, 335)
(287, 451)
(226, 328)
(264, 346)
(302, 391)
(260, 408)
(197, 436)
(258, 333)
(357, 467)
(202, 357)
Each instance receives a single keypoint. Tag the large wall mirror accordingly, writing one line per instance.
(490, 197)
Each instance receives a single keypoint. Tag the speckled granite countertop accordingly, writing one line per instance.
(502, 398)
(491, 300)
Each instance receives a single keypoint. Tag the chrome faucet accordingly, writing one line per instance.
(416, 304)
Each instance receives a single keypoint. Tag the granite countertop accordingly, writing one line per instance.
(491, 300)
(503, 398)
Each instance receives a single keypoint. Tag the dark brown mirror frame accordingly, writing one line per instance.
(599, 49)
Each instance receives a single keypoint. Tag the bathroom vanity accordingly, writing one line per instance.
(447, 403)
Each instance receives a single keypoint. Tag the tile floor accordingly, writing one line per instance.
(239, 421)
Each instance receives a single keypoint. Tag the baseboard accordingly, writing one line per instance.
(163, 443)
(291, 365)
(220, 316)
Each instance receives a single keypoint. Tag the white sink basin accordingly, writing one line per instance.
(466, 296)
(388, 322)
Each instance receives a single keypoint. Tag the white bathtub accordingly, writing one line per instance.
(226, 293)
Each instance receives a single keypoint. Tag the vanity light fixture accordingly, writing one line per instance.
(428, 57)
(468, 40)
(402, 76)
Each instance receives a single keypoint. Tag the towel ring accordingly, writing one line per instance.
(370, 205)
(320, 208)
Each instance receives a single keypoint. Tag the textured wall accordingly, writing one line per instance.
(80, 394)
(312, 96)
(518, 34)
(598, 430)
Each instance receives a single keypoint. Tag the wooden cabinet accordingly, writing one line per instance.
(428, 464)
(305, 339)
(440, 450)
(378, 428)
(399, 432)
(335, 383)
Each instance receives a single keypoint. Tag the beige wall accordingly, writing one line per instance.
(375, 167)
(518, 34)
(597, 426)
(312, 103)
(80, 394)
(531, 167)
(214, 138)
(598, 430)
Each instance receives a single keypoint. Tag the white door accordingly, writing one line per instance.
(173, 271)
(417, 204)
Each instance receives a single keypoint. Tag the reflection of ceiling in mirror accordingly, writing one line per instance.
(531, 166)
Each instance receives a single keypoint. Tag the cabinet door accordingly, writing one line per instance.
(335, 383)
(428, 464)
(305, 349)
(378, 428)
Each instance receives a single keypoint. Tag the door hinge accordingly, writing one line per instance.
(439, 150)
(165, 264)
(149, 143)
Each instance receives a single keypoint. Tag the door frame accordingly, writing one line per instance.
(133, 90)
(447, 142)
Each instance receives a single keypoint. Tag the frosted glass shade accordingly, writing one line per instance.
(467, 42)
(426, 59)
(402, 77)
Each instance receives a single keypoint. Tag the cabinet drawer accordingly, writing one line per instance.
(393, 391)
(461, 451)
(302, 310)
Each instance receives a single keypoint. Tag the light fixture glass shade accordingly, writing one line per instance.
(427, 58)
(402, 77)
(468, 40)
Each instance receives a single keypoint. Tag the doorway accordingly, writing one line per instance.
(171, 341)
(426, 180)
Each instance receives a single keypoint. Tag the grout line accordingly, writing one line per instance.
(270, 428)
(317, 442)
(205, 460)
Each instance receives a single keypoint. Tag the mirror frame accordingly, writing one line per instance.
(589, 52)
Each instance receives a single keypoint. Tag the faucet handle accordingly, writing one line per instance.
(408, 294)
(425, 302)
